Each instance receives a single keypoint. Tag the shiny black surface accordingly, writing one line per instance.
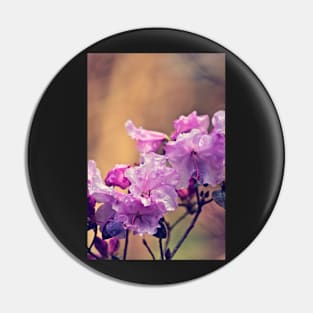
(57, 156)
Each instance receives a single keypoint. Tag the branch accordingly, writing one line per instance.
(206, 202)
(179, 220)
(148, 248)
(126, 245)
(161, 249)
(93, 240)
(193, 222)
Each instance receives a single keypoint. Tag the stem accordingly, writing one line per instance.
(148, 248)
(206, 202)
(198, 198)
(191, 226)
(183, 205)
(126, 245)
(95, 256)
(179, 220)
(188, 205)
(168, 233)
(161, 249)
(93, 240)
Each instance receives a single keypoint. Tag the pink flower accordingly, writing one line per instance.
(198, 155)
(105, 216)
(116, 176)
(102, 247)
(91, 206)
(95, 181)
(107, 248)
(104, 213)
(147, 140)
(138, 217)
(188, 192)
(154, 181)
(218, 121)
(114, 245)
(96, 186)
(185, 124)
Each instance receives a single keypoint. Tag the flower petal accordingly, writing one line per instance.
(218, 121)
(104, 213)
(96, 185)
(116, 176)
(165, 195)
(102, 247)
(186, 123)
(147, 140)
(152, 173)
(137, 217)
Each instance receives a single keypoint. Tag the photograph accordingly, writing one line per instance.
(156, 185)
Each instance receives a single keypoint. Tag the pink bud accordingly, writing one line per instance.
(116, 176)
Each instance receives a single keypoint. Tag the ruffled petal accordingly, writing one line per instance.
(179, 154)
(104, 213)
(96, 186)
(153, 174)
(165, 195)
(116, 176)
(187, 123)
(137, 217)
(147, 140)
(198, 155)
(218, 121)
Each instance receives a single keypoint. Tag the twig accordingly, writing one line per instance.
(198, 198)
(206, 202)
(179, 220)
(183, 205)
(126, 245)
(161, 249)
(168, 233)
(191, 226)
(148, 248)
(93, 240)
(92, 254)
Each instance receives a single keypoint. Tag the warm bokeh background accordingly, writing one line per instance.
(153, 90)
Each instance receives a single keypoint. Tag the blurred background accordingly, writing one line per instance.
(153, 90)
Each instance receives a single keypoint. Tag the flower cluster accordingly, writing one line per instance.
(136, 197)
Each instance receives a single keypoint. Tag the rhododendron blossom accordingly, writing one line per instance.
(197, 155)
(116, 176)
(91, 206)
(218, 121)
(185, 193)
(95, 181)
(186, 123)
(138, 217)
(147, 140)
(154, 181)
(96, 186)
(137, 197)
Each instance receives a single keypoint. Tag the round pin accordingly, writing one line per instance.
(155, 156)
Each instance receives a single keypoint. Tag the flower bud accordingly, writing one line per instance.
(102, 247)
(112, 229)
(116, 177)
(114, 245)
